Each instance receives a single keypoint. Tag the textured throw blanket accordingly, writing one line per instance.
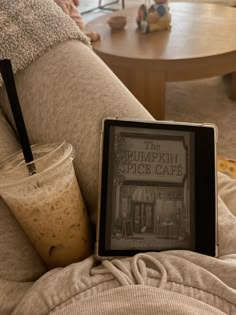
(26, 30)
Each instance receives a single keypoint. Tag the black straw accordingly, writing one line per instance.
(8, 78)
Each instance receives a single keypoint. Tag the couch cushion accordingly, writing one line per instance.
(8, 140)
(227, 191)
(19, 261)
(227, 214)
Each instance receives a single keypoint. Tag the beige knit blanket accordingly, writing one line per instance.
(29, 28)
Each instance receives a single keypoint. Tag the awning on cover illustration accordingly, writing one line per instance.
(143, 194)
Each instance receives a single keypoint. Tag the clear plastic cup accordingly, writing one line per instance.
(48, 205)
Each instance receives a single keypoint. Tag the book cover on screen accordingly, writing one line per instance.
(150, 189)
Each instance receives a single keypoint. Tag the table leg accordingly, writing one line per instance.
(233, 86)
(156, 90)
(148, 87)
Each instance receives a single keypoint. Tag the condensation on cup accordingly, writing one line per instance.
(48, 205)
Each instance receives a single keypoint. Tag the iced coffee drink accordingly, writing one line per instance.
(48, 204)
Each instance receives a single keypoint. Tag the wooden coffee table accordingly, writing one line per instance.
(200, 44)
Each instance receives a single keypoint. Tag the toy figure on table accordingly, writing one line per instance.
(155, 18)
